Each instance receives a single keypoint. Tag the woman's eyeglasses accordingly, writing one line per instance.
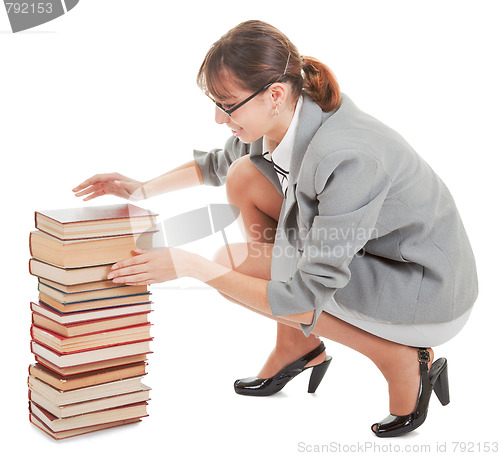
(246, 100)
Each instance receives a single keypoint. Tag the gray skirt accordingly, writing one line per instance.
(414, 335)
(358, 292)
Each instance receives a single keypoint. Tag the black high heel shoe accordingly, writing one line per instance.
(255, 386)
(435, 379)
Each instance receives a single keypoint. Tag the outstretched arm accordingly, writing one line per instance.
(187, 175)
(169, 263)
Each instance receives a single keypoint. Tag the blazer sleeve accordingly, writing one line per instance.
(350, 188)
(215, 163)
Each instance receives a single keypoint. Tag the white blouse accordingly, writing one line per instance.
(281, 156)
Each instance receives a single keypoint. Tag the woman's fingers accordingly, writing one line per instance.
(98, 179)
(133, 279)
(132, 271)
(90, 181)
(145, 268)
(100, 189)
(139, 258)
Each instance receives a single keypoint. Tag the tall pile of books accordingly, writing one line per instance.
(90, 336)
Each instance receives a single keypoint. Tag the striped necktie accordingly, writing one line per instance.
(281, 172)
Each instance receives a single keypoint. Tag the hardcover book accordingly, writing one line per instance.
(75, 344)
(88, 393)
(96, 377)
(88, 406)
(90, 252)
(67, 276)
(94, 304)
(89, 356)
(93, 366)
(88, 327)
(67, 298)
(95, 221)
(87, 315)
(79, 431)
(89, 419)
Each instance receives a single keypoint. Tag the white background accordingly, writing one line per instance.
(110, 86)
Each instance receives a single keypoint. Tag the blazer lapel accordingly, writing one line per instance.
(311, 118)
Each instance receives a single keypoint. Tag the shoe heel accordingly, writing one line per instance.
(441, 386)
(317, 374)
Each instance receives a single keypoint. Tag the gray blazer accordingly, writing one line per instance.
(365, 222)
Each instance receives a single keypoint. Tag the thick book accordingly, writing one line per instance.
(91, 295)
(87, 315)
(94, 304)
(89, 393)
(81, 287)
(69, 276)
(75, 432)
(94, 221)
(88, 327)
(67, 345)
(89, 252)
(89, 368)
(88, 406)
(89, 356)
(96, 377)
(113, 415)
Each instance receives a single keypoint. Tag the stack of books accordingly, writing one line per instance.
(90, 337)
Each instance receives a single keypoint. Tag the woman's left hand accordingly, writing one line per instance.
(149, 266)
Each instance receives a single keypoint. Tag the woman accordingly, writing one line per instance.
(350, 235)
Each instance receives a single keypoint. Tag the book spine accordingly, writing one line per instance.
(31, 250)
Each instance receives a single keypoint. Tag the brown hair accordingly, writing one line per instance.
(257, 53)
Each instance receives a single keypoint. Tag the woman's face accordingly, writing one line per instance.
(251, 121)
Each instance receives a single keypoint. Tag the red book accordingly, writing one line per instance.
(89, 368)
(117, 414)
(88, 327)
(66, 345)
(88, 315)
(90, 356)
(74, 432)
(95, 377)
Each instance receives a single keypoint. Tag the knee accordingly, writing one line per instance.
(232, 256)
(240, 176)
(221, 257)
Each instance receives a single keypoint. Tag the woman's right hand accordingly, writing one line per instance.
(110, 184)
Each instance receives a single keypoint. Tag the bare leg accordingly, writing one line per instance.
(398, 363)
(260, 205)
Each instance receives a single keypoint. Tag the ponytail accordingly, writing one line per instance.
(320, 84)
